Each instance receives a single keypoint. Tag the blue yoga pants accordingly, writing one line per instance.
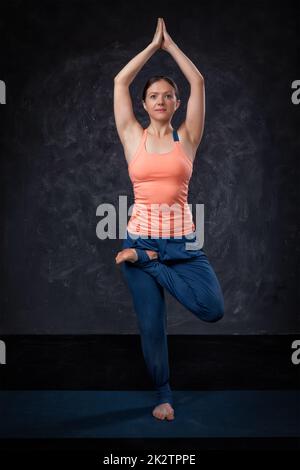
(188, 276)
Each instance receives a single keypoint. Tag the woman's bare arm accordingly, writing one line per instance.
(123, 109)
(129, 72)
(194, 122)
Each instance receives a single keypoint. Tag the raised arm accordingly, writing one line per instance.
(123, 110)
(195, 114)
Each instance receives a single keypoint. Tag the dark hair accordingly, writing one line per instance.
(156, 78)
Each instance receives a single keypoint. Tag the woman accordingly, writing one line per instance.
(160, 163)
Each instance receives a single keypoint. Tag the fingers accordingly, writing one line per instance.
(160, 25)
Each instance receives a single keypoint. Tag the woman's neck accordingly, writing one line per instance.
(160, 131)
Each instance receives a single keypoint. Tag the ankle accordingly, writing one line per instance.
(152, 254)
(134, 254)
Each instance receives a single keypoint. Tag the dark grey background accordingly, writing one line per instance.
(61, 157)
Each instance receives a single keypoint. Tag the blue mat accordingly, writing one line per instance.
(127, 414)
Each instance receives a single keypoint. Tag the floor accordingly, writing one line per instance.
(123, 414)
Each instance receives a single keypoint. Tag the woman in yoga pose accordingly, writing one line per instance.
(160, 164)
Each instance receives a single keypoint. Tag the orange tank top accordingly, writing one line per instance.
(160, 184)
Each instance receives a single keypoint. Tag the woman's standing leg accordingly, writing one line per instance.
(149, 304)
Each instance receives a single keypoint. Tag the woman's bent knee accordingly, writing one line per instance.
(216, 315)
(211, 312)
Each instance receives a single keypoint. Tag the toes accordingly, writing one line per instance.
(127, 254)
(158, 414)
(121, 257)
(118, 258)
(165, 412)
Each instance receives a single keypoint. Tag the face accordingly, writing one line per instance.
(160, 101)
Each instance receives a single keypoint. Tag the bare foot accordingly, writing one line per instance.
(164, 410)
(128, 254)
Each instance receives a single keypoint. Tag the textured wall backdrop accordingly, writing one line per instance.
(61, 157)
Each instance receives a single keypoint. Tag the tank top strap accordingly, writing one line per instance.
(175, 135)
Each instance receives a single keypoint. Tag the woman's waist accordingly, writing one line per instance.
(165, 226)
(161, 207)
